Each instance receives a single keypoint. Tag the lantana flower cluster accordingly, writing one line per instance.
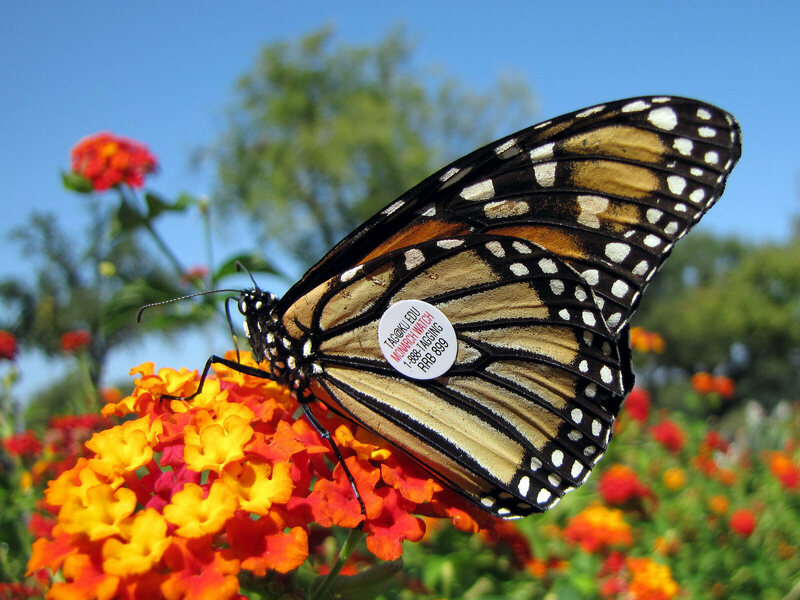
(107, 160)
(182, 497)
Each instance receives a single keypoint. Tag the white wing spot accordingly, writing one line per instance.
(544, 496)
(519, 269)
(576, 415)
(707, 132)
(487, 501)
(641, 268)
(495, 248)
(620, 288)
(448, 244)
(448, 174)
(483, 190)
(653, 215)
(577, 469)
(676, 184)
(524, 485)
(614, 319)
(583, 366)
(591, 276)
(521, 248)
(596, 428)
(589, 319)
(680, 207)
(430, 212)
(564, 314)
(390, 209)
(545, 174)
(591, 390)
(548, 266)
(703, 114)
(671, 228)
(698, 195)
(662, 99)
(684, 146)
(557, 458)
(580, 293)
(414, 258)
(554, 479)
(663, 118)
(349, 274)
(574, 435)
(617, 251)
(711, 157)
(505, 208)
(557, 286)
(606, 375)
(591, 207)
(589, 450)
(307, 348)
(536, 463)
(590, 111)
(503, 149)
(587, 338)
(542, 124)
(541, 152)
(652, 241)
(635, 106)
(697, 171)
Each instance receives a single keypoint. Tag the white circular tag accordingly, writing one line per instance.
(417, 339)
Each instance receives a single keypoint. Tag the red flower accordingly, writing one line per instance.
(669, 434)
(620, 485)
(724, 386)
(23, 444)
(638, 404)
(703, 383)
(714, 441)
(743, 522)
(8, 345)
(108, 160)
(74, 341)
(781, 466)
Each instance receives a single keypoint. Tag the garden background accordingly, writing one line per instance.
(698, 495)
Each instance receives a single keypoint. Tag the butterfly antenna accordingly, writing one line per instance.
(240, 267)
(171, 300)
(230, 325)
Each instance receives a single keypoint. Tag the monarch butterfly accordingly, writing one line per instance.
(523, 263)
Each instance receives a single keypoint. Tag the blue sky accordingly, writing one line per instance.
(163, 73)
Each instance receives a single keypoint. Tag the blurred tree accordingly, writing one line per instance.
(322, 136)
(725, 304)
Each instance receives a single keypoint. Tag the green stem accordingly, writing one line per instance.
(165, 249)
(322, 591)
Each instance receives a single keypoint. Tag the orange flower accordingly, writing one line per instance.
(743, 522)
(724, 386)
(718, 504)
(597, 527)
(108, 160)
(74, 341)
(8, 345)
(674, 478)
(650, 580)
(727, 476)
(703, 383)
(646, 341)
(781, 466)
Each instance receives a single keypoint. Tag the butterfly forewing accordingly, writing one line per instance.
(536, 365)
(537, 248)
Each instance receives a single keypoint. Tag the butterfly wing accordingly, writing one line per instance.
(609, 189)
(528, 406)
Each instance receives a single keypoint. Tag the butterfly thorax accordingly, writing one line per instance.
(269, 340)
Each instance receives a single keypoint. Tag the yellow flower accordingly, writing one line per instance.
(126, 447)
(100, 515)
(719, 505)
(214, 441)
(650, 580)
(197, 516)
(259, 485)
(145, 541)
(674, 478)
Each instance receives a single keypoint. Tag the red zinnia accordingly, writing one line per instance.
(743, 522)
(8, 345)
(23, 444)
(73, 341)
(668, 434)
(620, 484)
(108, 160)
(638, 404)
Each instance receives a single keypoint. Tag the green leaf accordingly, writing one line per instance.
(127, 218)
(77, 183)
(156, 205)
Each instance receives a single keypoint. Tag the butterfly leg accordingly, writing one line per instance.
(327, 436)
(231, 364)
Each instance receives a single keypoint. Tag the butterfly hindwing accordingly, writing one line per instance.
(528, 406)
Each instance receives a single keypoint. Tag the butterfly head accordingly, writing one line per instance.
(257, 307)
